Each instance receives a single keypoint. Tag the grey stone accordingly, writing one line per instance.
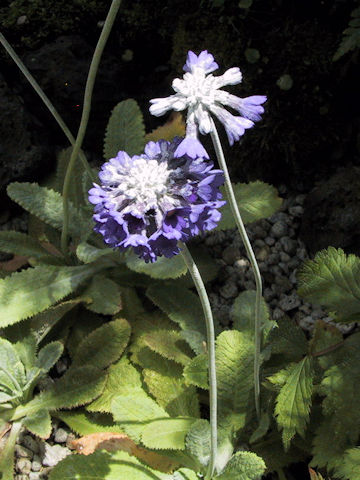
(284, 267)
(289, 302)
(284, 257)
(277, 313)
(230, 255)
(296, 211)
(36, 464)
(279, 229)
(268, 294)
(259, 242)
(270, 241)
(71, 437)
(275, 270)
(249, 285)
(34, 476)
(30, 443)
(23, 465)
(21, 451)
(301, 254)
(259, 232)
(280, 217)
(263, 253)
(61, 435)
(300, 199)
(229, 290)
(61, 366)
(283, 283)
(22, 476)
(53, 454)
(273, 259)
(242, 264)
(289, 245)
(293, 263)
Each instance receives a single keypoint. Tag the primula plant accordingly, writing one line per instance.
(111, 283)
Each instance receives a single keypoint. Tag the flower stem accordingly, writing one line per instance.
(200, 287)
(109, 21)
(250, 253)
(46, 101)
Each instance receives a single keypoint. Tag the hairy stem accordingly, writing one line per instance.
(85, 114)
(45, 99)
(200, 287)
(251, 256)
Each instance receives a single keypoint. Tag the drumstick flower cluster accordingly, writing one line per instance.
(152, 201)
(199, 92)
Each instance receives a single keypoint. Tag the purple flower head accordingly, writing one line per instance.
(151, 201)
(199, 92)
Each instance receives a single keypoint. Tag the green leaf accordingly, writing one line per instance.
(75, 192)
(47, 205)
(125, 130)
(288, 339)
(332, 280)
(104, 296)
(7, 453)
(255, 200)
(85, 423)
(234, 365)
(163, 267)
(21, 244)
(104, 345)
(182, 307)
(243, 313)
(350, 468)
(77, 387)
(185, 474)
(205, 263)
(351, 36)
(103, 466)
(49, 355)
(197, 441)
(168, 344)
(39, 423)
(294, 401)
(262, 428)
(133, 412)
(122, 379)
(87, 253)
(196, 371)
(12, 372)
(167, 433)
(243, 466)
(31, 291)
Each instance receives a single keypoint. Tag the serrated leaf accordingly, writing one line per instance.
(234, 365)
(167, 433)
(288, 339)
(243, 466)
(122, 379)
(168, 344)
(350, 468)
(351, 36)
(101, 466)
(39, 423)
(75, 193)
(47, 205)
(196, 371)
(21, 244)
(243, 313)
(49, 355)
(255, 200)
(87, 253)
(182, 307)
(85, 423)
(163, 268)
(262, 428)
(77, 387)
(174, 127)
(83, 323)
(12, 372)
(7, 453)
(125, 130)
(197, 441)
(206, 265)
(326, 336)
(133, 412)
(31, 291)
(103, 345)
(332, 280)
(104, 296)
(294, 401)
(185, 474)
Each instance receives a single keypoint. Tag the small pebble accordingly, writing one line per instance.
(53, 454)
(296, 211)
(30, 443)
(60, 435)
(71, 437)
(289, 302)
(242, 263)
(288, 245)
(230, 255)
(36, 464)
(21, 477)
(23, 465)
(249, 285)
(270, 241)
(277, 313)
(279, 229)
(22, 451)
(229, 290)
(263, 253)
(34, 476)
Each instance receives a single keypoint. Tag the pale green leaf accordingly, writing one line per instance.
(103, 345)
(83, 323)
(21, 244)
(7, 453)
(12, 372)
(125, 130)
(39, 423)
(134, 411)
(104, 466)
(255, 200)
(262, 428)
(332, 280)
(85, 423)
(243, 313)
(46, 204)
(243, 466)
(196, 371)
(294, 401)
(185, 474)
(103, 295)
(122, 379)
(163, 267)
(167, 433)
(168, 344)
(350, 467)
(288, 339)
(87, 253)
(49, 355)
(197, 441)
(184, 308)
(31, 291)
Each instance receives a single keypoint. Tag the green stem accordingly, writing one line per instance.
(200, 287)
(46, 101)
(250, 253)
(85, 114)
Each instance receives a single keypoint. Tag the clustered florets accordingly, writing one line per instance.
(198, 92)
(152, 201)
